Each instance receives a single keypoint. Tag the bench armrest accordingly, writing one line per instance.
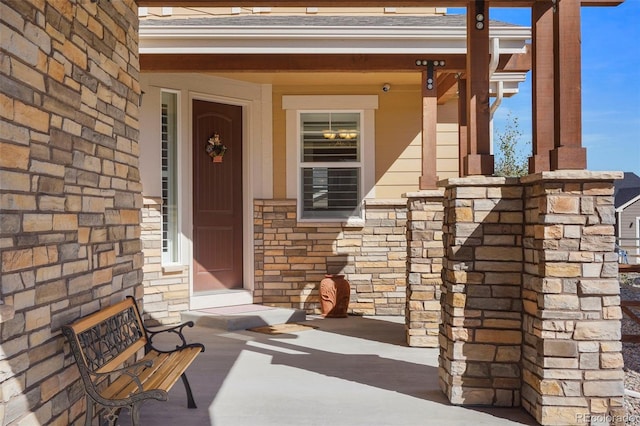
(177, 330)
(129, 370)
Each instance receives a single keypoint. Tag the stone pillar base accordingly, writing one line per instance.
(480, 336)
(424, 265)
(572, 361)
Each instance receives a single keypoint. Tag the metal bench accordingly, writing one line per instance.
(102, 343)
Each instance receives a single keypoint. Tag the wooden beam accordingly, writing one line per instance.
(428, 179)
(462, 126)
(543, 131)
(445, 83)
(191, 62)
(568, 152)
(517, 62)
(626, 268)
(286, 62)
(601, 2)
(479, 160)
(355, 3)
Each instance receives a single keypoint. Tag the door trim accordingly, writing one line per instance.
(256, 118)
(218, 241)
(226, 297)
(256, 100)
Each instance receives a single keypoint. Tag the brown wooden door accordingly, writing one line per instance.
(217, 198)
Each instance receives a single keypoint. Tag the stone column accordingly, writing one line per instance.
(258, 251)
(480, 335)
(572, 361)
(425, 253)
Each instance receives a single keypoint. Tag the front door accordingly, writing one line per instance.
(217, 198)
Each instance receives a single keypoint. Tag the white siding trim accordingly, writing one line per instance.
(292, 153)
(326, 40)
(628, 203)
(369, 154)
(637, 239)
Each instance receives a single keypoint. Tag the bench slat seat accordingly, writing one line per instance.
(105, 344)
(163, 374)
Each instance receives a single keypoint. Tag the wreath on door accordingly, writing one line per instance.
(215, 148)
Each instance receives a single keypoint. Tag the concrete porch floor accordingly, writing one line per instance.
(349, 371)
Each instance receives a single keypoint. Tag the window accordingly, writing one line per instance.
(330, 165)
(169, 153)
(330, 155)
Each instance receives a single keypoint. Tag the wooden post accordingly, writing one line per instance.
(462, 126)
(568, 152)
(543, 130)
(479, 160)
(428, 178)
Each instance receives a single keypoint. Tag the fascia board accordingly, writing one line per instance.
(628, 203)
(235, 39)
(506, 77)
(266, 46)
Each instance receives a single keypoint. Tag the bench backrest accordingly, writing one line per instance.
(105, 339)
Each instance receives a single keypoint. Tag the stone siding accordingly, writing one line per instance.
(292, 257)
(530, 297)
(425, 253)
(70, 191)
(572, 360)
(166, 288)
(481, 298)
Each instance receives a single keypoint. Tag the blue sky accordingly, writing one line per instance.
(610, 85)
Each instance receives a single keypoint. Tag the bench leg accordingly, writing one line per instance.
(89, 412)
(190, 402)
(110, 416)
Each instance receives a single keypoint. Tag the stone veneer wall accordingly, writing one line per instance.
(70, 191)
(425, 253)
(530, 299)
(166, 288)
(292, 257)
(572, 360)
(481, 298)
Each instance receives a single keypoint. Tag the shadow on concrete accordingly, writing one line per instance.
(383, 329)
(349, 372)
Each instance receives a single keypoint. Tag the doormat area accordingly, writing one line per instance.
(282, 328)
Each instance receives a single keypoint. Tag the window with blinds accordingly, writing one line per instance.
(330, 165)
(169, 208)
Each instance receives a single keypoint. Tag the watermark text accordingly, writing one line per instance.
(607, 419)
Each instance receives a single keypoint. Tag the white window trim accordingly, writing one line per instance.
(366, 105)
(178, 261)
